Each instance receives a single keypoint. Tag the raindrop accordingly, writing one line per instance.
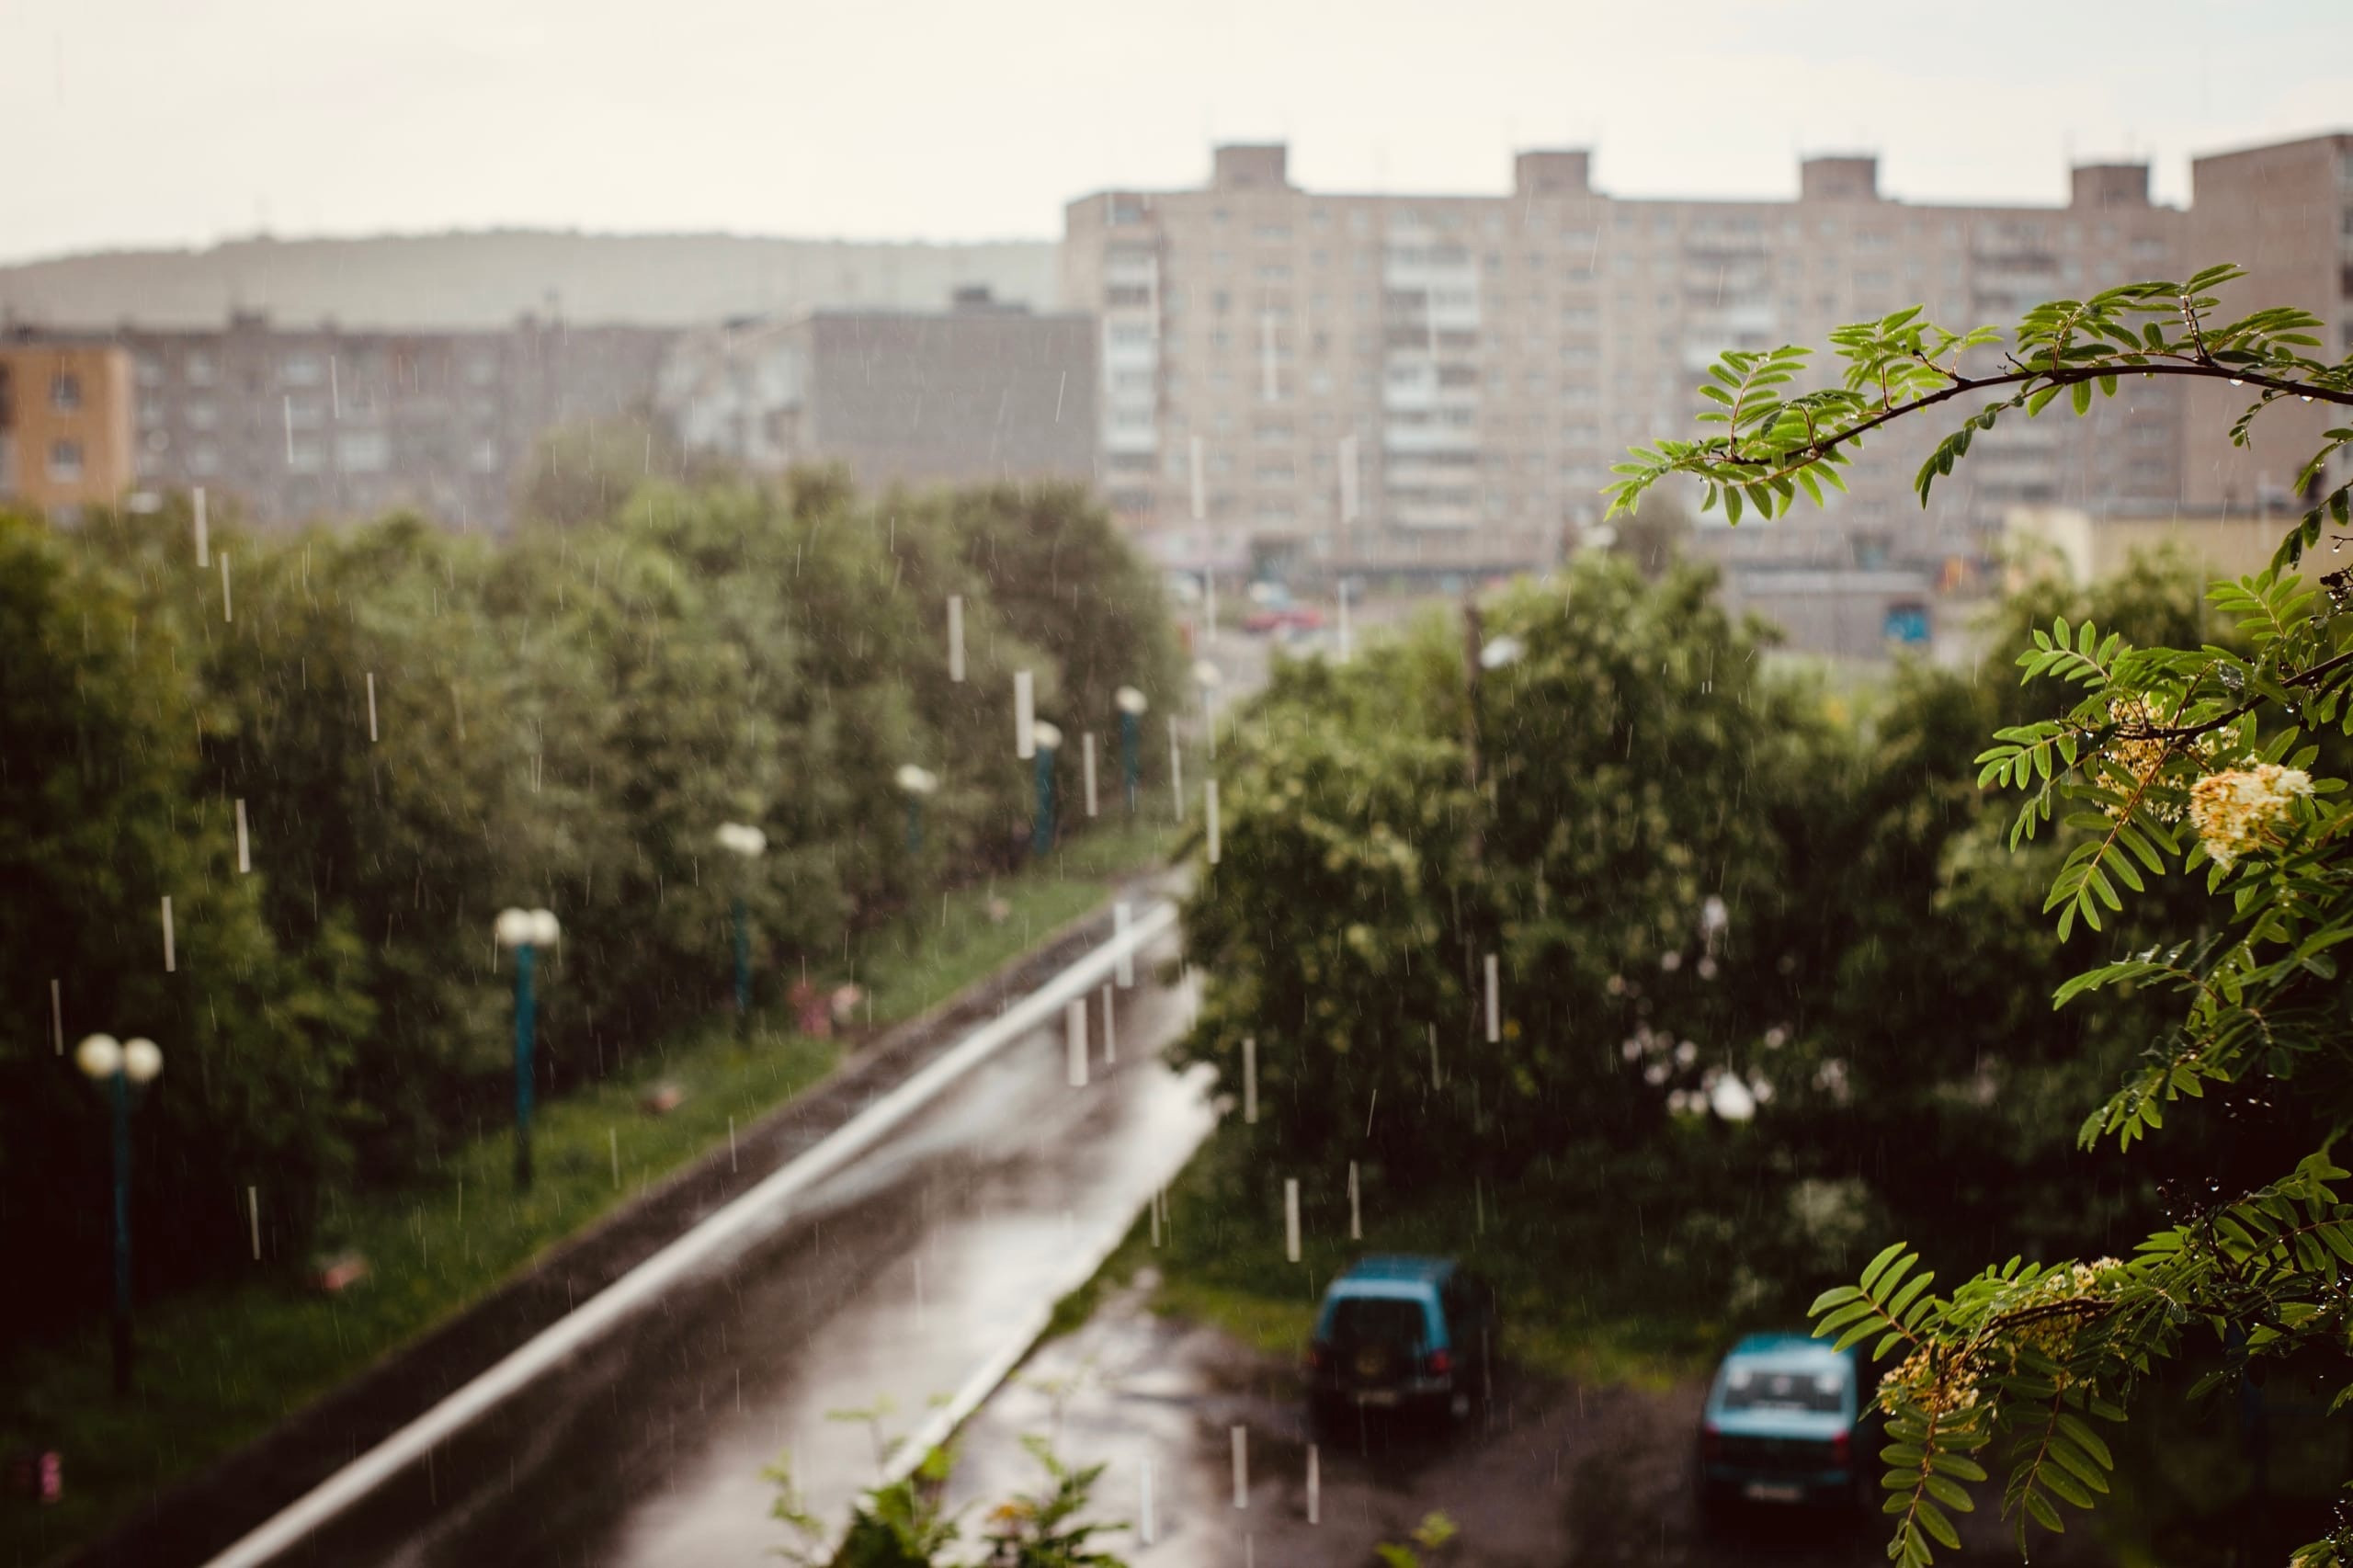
(1290, 1219)
(956, 637)
(253, 1203)
(1024, 716)
(245, 854)
(1241, 1467)
(1075, 1016)
(203, 534)
(169, 963)
(1249, 1079)
(1495, 1003)
(227, 613)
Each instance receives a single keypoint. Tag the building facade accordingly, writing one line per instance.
(300, 423)
(65, 424)
(1300, 376)
(2284, 213)
(980, 392)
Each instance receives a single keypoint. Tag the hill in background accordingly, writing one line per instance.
(488, 280)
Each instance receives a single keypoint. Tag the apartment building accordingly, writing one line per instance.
(65, 424)
(298, 422)
(2285, 213)
(1367, 381)
(982, 391)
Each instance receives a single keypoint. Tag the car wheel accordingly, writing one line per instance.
(1458, 1407)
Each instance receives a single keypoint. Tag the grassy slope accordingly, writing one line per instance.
(1587, 1291)
(217, 1367)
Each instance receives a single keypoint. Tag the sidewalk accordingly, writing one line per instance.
(191, 1521)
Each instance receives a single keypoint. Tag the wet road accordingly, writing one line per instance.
(896, 1281)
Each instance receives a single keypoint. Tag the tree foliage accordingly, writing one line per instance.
(421, 728)
(2171, 760)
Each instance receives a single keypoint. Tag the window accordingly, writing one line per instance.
(302, 368)
(480, 370)
(150, 370)
(66, 395)
(1753, 1388)
(1272, 430)
(199, 416)
(363, 452)
(1274, 233)
(65, 460)
(200, 370)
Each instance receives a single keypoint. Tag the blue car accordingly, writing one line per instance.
(1785, 1424)
(1402, 1334)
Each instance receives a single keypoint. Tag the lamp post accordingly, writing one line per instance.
(526, 931)
(123, 1069)
(748, 844)
(1132, 705)
(1042, 831)
(1209, 677)
(915, 783)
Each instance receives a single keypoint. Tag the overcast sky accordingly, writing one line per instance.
(185, 122)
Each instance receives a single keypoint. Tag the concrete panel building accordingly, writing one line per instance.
(298, 422)
(980, 392)
(2285, 213)
(1476, 363)
(65, 424)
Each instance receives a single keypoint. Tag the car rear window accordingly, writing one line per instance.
(1361, 1320)
(1767, 1388)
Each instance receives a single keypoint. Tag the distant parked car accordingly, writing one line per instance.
(1402, 1334)
(1788, 1420)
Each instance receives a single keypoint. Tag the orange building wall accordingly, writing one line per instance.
(33, 424)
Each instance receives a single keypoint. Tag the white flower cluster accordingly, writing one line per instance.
(2235, 810)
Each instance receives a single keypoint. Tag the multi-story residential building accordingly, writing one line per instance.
(301, 423)
(2285, 213)
(65, 423)
(1372, 380)
(982, 391)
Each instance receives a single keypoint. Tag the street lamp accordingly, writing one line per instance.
(124, 1070)
(1132, 705)
(915, 783)
(526, 931)
(750, 844)
(1209, 677)
(1042, 831)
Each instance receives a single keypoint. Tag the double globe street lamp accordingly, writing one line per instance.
(124, 1068)
(1132, 705)
(526, 931)
(917, 784)
(1049, 740)
(747, 844)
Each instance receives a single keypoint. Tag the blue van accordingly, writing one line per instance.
(1403, 1332)
(1786, 1423)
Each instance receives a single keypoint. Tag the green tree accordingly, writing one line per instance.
(103, 794)
(2188, 760)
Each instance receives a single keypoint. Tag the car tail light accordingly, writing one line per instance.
(1439, 1362)
(1315, 1356)
(1841, 1447)
(1711, 1443)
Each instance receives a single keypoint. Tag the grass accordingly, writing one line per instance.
(1588, 1289)
(218, 1367)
